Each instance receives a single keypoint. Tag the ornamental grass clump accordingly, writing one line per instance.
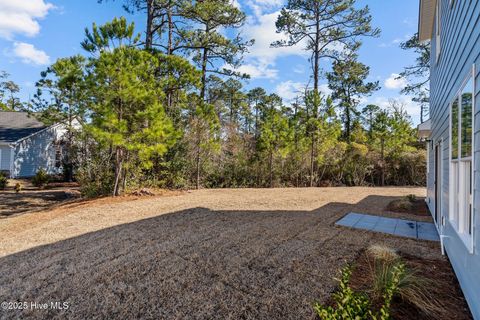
(388, 277)
(358, 305)
(412, 287)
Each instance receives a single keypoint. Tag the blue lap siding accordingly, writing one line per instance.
(460, 50)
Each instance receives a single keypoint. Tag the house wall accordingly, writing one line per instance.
(37, 151)
(5, 158)
(460, 49)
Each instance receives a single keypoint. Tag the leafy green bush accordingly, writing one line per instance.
(96, 179)
(3, 181)
(411, 197)
(357, 305)
(348, 304)
(41, 178)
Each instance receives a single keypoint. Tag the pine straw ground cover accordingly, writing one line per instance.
(208, 254)
(439, 292)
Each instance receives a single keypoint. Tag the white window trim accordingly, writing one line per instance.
(438, 30)
(467, 239)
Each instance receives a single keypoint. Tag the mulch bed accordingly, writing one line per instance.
(440, 272)
(417, 207)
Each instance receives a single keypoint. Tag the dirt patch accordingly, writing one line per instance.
(442, 285)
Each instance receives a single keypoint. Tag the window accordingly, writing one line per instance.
(461, 159)
(437, 30)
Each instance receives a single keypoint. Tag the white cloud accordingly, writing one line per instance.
(259, 7)
(236, 4)
(258, 70)
(263, 30)
(29, 54)
(20, 17)
(299, 68)
(261, 59)
(395, 82)
(323, 88)
(412, 108)
(289, 89)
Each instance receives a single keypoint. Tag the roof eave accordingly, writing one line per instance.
(426, 19)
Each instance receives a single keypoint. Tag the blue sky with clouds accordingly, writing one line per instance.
(34, 33)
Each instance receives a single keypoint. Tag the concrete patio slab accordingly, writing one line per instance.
(398, 227)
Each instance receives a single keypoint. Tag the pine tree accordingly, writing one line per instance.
(8, 94)
(64, 85)
(211, 48)
(417, 75)
(348, 84)
(321, 26)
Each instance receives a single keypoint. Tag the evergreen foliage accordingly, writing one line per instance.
(167, 107)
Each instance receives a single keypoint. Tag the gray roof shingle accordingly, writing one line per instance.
(17, 125)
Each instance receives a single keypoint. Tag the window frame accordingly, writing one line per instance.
(454, 217)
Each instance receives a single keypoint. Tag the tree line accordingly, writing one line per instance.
(168, 108)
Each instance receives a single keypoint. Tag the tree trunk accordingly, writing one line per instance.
(170, 29)
(170, 51)
(312, 159)
(202, 98)
(347, 123)
(149, 33)
(316, 62)
(270, 165)
(204, 68)
(118, 171)
(316, 71)
(197, 156)
(382, 152)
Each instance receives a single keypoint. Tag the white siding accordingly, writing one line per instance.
(37, 151)
(5, 158)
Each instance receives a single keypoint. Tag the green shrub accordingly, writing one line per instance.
(357, 305)
(41, 178)
(95, 180)
(348, 304)
(411, 197)
(3, 181)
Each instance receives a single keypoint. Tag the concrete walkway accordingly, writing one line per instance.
(398, 227)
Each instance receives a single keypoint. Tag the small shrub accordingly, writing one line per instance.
(357, 305)
(18, 187)
(348, 304)
(97, 181)
(400, 205)
(41, 178)
(3, 181)
(411, 197)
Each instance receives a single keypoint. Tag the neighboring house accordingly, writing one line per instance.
(453, 134)
(26, 145)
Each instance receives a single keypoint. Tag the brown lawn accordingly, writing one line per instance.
(224, 254)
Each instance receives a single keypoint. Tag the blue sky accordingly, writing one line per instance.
(34, 33)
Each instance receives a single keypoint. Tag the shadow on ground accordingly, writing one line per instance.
(12, 204)
(197, 263)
